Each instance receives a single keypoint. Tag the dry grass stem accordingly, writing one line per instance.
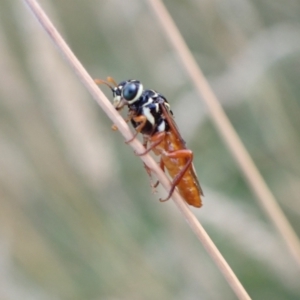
(137, 146)
(227, 132)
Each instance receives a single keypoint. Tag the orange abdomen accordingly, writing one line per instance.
(188, 187)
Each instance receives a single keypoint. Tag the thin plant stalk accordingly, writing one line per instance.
(255, 180)
(137, 146)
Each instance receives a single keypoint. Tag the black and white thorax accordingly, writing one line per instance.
(147, 103)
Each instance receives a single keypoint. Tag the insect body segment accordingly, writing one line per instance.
(141, 103)
(150, 115)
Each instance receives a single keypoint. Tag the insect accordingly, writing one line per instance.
(150, 114)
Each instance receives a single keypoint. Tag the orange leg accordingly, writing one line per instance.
(115, 128)
(183, 153)
(162, 166)
(148, 170)
(159, 138)
(156, 140)
(139, 119)
(155, 185)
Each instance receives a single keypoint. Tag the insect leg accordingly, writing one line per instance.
(148, 170)
(156, 140)
(183, 153)
(114, 126)
(138, 119)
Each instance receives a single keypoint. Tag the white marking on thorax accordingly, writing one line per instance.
(150, 100)
(149, 116)
(162, 126)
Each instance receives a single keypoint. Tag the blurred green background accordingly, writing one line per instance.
(77, 217)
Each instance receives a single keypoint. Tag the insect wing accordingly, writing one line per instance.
(167, 114)
(175, 130)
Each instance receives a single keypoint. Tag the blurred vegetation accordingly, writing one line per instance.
(77, 217)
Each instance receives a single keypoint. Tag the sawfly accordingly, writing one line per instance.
(150, 114)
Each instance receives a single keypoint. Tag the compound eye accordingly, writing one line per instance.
(130, 91)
